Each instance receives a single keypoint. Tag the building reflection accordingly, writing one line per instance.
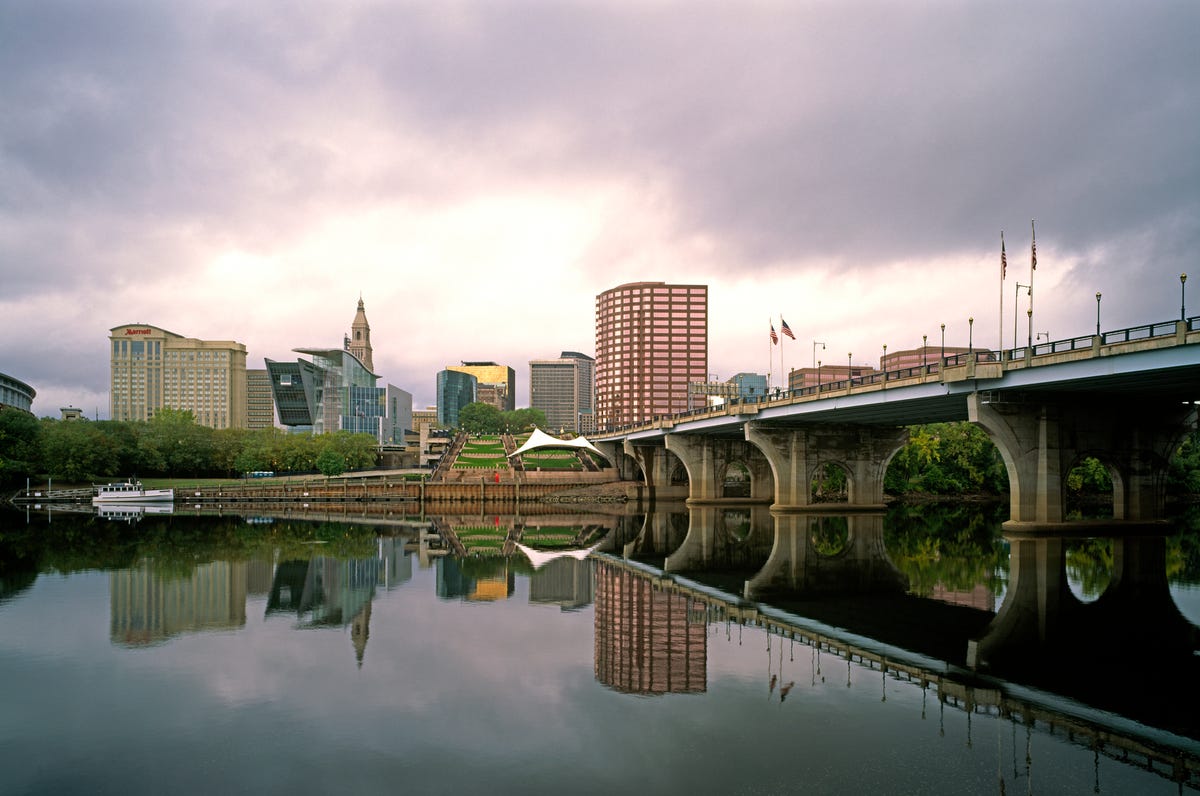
(454, 582)
(648, 640)
(148, 607)
(565, 582)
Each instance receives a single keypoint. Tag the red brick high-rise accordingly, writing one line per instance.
(651, 341)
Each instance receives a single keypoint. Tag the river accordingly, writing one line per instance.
(691, 651)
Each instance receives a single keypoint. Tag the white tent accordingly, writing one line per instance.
(540, 558)
(540, 439)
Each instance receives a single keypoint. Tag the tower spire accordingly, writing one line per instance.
(360, 336)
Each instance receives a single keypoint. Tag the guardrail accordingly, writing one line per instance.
(842, 386)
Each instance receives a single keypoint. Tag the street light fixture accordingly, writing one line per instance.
(1182, 302)
(1098, 314)
(815, 344)
(942, 361)
(818, 378)
(883, 364)
(924, 348)
(849, 372)
(971, 336)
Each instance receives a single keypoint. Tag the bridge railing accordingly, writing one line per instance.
(932, 368)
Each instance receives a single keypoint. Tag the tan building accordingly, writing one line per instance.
(152, 368)
(497, 383)
(651, 342)
(260, 402)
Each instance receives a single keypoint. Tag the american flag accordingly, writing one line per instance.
(783, 327)
(1033, 251)
(1003, 259)
(774, 337)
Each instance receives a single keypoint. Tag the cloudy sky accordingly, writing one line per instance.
(479, 171)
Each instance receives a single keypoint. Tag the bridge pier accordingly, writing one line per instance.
(1041, 441)
(707, 459)
(796, 455)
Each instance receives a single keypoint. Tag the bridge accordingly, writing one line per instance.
(1125, 397)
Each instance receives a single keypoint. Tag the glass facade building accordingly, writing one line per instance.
(651, 342)
(455, 390)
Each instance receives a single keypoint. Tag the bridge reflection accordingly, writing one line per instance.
(1113, 675)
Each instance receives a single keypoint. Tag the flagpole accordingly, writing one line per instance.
(782, 369)
(770, 353)
(1032, 268)
(1003, 268)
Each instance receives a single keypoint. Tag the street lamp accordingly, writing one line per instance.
(849, 372)
(1098, 314)
(971, 336)
(942, 361)
(818, 378)
(1182, 303)
(924, 348)
(883, 364)
(815, 344)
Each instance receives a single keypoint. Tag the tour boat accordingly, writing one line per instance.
(131, 492)
(131, 512)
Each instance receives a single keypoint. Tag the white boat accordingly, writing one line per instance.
(131, 492)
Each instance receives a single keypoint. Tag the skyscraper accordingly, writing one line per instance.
(564, 390)
(651, 341)
(455, 390)
(151, 368)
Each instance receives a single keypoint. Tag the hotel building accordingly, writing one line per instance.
(152, 368)
(564, 390)
(651, 341)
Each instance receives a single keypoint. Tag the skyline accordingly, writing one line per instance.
(480, 173)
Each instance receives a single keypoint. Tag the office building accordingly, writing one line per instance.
(494, 384)
(564, 390)
(16, 393)
(651, 342)
(152, 368)
(335, 392)
(455, 389)
(260, 408)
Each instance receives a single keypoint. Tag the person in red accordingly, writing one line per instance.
(497, 476)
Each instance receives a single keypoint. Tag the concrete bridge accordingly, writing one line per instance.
(1126, 398)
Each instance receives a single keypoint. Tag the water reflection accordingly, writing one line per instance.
(828, 602)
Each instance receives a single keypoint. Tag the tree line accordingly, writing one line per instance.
(170, 445)
(939, 459)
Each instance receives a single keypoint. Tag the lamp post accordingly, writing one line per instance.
(1182, 302)
(1016, 295)
(970, 337)
(1098, 314)
(849, 372)
(1029, 315)
(818, 378)
(924, 348)
(942, 360)
(815, 344)
(883, 364)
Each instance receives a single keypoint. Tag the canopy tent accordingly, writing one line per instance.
(540, 558)
(540, 439)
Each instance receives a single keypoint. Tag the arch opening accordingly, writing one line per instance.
(830, 484)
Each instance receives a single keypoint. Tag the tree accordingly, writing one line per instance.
(19, 444)
(76, 451)
(480, 418)
(330, 462)
(525, 419)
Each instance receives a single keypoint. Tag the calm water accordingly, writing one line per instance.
(190, 654)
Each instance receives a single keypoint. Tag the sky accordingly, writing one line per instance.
(479, 171)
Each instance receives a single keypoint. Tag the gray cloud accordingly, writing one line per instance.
(139, 140)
